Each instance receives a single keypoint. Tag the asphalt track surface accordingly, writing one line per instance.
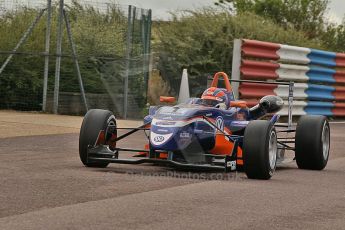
(43, 185)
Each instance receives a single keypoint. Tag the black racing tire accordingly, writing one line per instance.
(259, 150)
(312, 142)
(94, 121)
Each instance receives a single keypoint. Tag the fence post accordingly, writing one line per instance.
(290, 104)
(58, 57)
(46, 58)
(75, 58)
(145, 39)
(143, 26)
(128, 55)
(236, 65)
(149, 25)
(147, 46)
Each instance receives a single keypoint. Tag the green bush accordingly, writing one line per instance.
(202, 41)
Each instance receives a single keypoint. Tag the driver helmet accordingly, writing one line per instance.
(215, 97)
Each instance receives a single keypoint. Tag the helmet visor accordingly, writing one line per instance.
(209, 102)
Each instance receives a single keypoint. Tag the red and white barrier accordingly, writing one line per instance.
(319, 81)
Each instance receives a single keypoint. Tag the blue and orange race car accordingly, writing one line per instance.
(213, 132)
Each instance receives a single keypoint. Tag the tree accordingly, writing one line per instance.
(334, 37)
(302, 15)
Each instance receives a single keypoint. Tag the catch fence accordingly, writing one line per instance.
(70, 56)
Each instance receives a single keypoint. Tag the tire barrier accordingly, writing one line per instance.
(319, 81)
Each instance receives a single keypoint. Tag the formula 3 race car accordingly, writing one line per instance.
(213, 132)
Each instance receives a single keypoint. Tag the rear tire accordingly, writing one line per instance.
(94, 121)
(260, 150)
(312, 142)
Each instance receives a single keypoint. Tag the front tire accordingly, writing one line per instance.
(260, 150)
(312, 142)
(94, 121)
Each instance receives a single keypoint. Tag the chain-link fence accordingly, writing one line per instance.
(104, 57)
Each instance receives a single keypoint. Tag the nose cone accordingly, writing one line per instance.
(195, 135)
(170, 138)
